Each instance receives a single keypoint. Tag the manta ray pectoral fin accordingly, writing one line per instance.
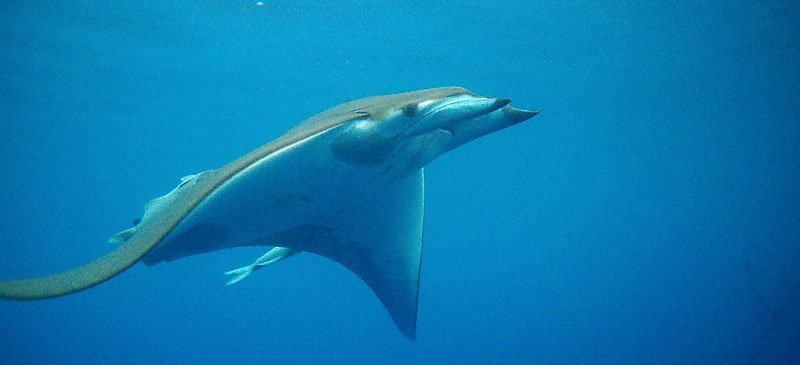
(274, 255)
(379, 238)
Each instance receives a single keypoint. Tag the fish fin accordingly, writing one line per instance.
(274, 255)
(239, 274)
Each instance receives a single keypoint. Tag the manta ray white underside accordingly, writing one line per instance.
(346, 184)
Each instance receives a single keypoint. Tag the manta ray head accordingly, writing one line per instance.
(409, 136)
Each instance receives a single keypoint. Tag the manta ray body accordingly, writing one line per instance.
(346, 184)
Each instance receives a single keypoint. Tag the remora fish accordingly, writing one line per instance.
(346, 184)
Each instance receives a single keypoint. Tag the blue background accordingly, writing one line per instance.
(649, 214)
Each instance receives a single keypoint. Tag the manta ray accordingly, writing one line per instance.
(346, 184)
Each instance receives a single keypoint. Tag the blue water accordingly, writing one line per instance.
(649, 214)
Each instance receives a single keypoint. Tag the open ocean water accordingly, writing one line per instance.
(649, 214)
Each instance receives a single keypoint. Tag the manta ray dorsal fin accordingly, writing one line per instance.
(380, 239)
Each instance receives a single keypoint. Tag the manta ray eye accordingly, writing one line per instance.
(410, 110)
